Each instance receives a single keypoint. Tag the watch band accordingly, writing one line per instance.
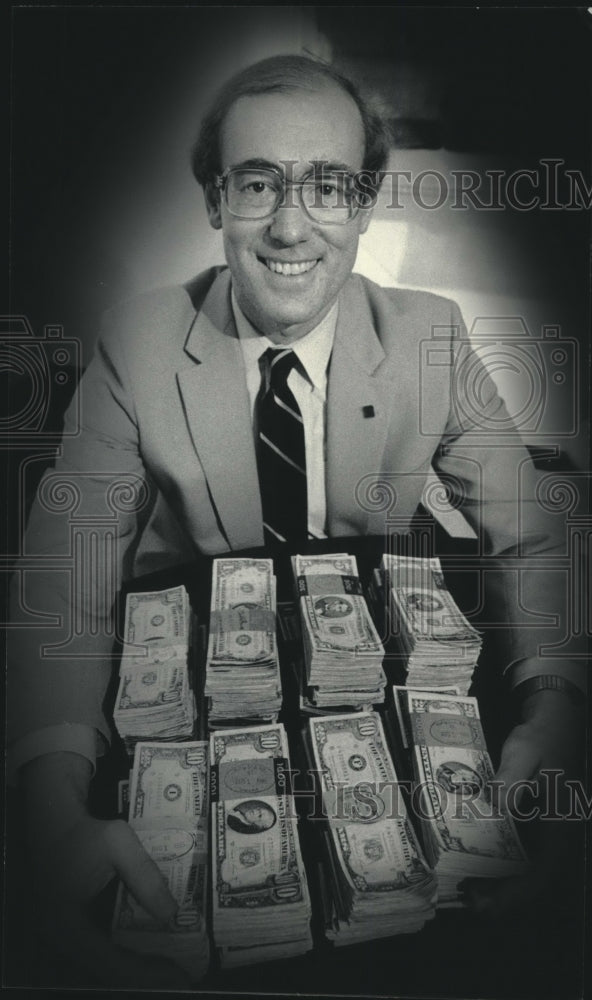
(549, 682)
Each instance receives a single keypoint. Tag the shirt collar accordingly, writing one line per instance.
(313, 350)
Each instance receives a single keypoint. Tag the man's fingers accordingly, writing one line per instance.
(139, 872)
(518, 765)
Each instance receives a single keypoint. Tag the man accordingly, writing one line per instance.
(178, 450)
(253, 816)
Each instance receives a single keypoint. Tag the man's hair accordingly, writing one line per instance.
(282, 74)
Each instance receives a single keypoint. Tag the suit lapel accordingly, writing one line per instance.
(218, 415)
(362, 387)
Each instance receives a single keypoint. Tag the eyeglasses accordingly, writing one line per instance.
(328, 198)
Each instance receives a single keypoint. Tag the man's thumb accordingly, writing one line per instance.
(140, 874)
(515, 774)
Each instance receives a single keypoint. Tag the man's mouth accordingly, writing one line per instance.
(288, 267)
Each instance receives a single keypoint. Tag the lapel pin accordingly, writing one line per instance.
(368, 411)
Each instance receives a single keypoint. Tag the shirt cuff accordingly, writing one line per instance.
(65, 738)
(523, 670)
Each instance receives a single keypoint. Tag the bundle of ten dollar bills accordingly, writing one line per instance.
(377, 878)
(462, 831)
(261, 903)
(439, 645)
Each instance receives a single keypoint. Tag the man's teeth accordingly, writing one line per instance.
(300, 267)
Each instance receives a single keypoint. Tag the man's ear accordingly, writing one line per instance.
(365, 218)
(212, 197)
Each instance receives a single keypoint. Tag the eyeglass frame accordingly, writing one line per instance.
(220, 183)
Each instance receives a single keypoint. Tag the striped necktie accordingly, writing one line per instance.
(281, 457)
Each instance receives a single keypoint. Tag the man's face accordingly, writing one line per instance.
(258, 816)
(464, 779)
(301, 127)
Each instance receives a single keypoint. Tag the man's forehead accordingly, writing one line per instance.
(256, 164)
(297, 125)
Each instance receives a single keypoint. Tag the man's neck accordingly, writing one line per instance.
(285, 337)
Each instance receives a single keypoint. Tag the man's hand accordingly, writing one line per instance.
(548, 738)
(75, 857)
(538, 757)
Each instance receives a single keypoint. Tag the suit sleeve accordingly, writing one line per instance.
(81, 531)
(523, 578)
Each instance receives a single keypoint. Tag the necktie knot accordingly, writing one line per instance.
(277, 363)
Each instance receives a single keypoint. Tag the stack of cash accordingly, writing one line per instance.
(295, 674)
(379, 882)
(155, 699)
(242, 670)
(440, 646)
(342, 649)
(396, 725)
(463, 834)
(261, 905)
(169, 812)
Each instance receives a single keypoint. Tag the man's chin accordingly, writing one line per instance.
(294, 319)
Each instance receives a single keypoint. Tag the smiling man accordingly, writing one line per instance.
(289, 265)
(251, 406)
(278, 157)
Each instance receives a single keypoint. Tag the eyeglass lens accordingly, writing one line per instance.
(254, 194)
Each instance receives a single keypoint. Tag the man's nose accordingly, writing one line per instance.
(290, 223)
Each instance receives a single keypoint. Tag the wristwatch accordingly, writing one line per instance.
(550, 682)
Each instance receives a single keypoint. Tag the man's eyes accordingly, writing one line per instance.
(325, 186)
(329, 187)
(256, 186)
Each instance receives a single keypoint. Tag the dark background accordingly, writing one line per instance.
(91, 85)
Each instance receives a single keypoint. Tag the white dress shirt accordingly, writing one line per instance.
(313, 351)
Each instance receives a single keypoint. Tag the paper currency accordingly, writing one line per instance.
(159, 620)
(439, 644)
(242, 670)
(342, 649)
(399, 703)
(462, 833)
(377, 876)
(295, 674)
(168, 803)
(236, 955)
(155, 699)
(261, 905)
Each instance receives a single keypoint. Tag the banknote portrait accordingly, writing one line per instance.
(251, 816)
(455, 777)
(440, 257)
(334, 607)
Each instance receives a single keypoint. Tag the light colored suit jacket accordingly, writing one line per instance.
(163, 467)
